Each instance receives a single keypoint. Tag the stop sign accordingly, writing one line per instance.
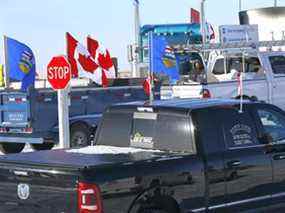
(58, 72)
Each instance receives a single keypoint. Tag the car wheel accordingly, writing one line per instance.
(79, 135)
(9, 148)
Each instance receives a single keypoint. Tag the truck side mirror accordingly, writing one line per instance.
(266, 138)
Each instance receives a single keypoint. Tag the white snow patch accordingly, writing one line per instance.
(100, 149)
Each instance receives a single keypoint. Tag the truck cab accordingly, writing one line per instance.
(262, 73)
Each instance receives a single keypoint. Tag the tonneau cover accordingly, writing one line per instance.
(77, 160)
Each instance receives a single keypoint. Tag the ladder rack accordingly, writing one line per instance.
(220, 46)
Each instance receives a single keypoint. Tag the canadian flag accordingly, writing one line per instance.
(92, 62)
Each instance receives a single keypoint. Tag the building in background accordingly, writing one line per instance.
(270, 20)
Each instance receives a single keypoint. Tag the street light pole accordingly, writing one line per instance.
(203, 22)
(136, 38)
(275, 3)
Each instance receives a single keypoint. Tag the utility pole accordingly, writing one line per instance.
(240, 5)
(137, 27)
(203, 22)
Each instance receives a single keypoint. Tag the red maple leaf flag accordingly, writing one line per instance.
(195, 16)
(102, 57)
(84, 61)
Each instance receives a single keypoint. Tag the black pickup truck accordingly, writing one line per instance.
(173, 156)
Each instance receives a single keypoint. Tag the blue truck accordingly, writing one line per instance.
(32, 117)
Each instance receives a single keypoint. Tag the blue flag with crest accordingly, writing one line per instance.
(162, 58)
(20, 63)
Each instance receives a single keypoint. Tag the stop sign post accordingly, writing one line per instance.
(59, 75)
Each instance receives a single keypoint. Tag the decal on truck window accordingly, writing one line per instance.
(241, 134)
(138, 140)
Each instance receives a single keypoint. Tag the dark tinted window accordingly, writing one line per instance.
(147, 130)
(219, 67)
(115, 129)
(277, 64)
(173, 133)
(239, 129)
(273, 123)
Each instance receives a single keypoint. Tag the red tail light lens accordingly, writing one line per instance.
(206, 93)
(89, 198)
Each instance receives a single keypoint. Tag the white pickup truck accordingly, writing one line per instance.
(263, 77)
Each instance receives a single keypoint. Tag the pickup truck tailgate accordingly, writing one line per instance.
(15, 110)
(29, 190)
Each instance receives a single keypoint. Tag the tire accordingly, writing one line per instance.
(43, 146)
(162, 204)
(9, 148)
(79, 135)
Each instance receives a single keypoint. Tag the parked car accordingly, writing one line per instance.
(166, 157)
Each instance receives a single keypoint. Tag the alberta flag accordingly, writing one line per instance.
(21, 64)
(162, 58)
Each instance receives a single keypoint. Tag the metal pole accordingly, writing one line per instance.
(151, 69)
(63, 118)
(203, 22)
(137, 38)
(6, 67)
(240, 5)
(275, 3)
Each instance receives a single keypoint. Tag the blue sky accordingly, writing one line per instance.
(42, 24)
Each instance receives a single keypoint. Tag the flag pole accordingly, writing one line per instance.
(150, 70)
(6, 67)
(136, 37)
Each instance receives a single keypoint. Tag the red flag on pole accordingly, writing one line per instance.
(147, 86)
(92, 62)
(195, 16)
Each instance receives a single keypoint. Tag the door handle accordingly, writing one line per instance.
(279, 157)
(234, 163)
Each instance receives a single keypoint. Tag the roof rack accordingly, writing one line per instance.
(220, 46)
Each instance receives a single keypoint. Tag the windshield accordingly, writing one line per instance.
(146, 130)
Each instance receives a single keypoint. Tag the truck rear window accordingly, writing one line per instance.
(146, 130)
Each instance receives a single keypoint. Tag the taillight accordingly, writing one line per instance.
(89, 198)
(3, 130)
(28, 130)
(206, 93)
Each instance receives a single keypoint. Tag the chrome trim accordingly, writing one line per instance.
(246, 147)
(240, 202)
(21, 140)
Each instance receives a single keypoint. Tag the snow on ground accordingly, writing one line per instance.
(108, 150)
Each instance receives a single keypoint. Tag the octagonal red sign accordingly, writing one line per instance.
(58, 72)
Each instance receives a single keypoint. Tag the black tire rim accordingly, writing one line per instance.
(9, 148)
